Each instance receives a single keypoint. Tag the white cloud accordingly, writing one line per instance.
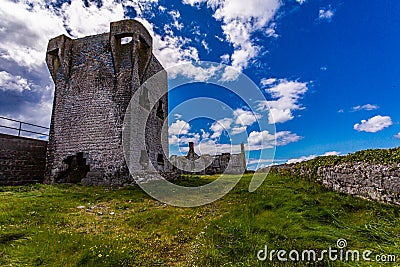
(269, 81)
(302, 158)
(174, 51)
(264, 139)
(193, 2)
(271, 30)
(179, 127)
(173, 140)
(259, 138)
(219, 39)
(191, 137)
(301, 1)
(219, 126)
(27, 27)
(184, 139)
(365, 107)
(374, 124)
(205, 45)
(259, 161)
(88, 20)
(225, 59)
(245, 117)
(326, 14)
(204, 134)
(397, 135)
(213, 148)
(287, 95)
(284, 138)
(9, 82)
(177, 116)
(175, 16)
(240, 19)
(238, 129)
(305, 158)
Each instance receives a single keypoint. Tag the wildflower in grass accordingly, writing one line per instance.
(100, 255)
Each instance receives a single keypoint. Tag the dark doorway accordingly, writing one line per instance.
(74, 169)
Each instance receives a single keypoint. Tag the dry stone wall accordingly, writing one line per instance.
(370, 181)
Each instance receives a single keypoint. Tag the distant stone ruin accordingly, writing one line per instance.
(95, 78)
(206, 164)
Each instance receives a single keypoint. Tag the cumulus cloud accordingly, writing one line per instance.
(397, 136)
(271, 30)
(184, 139)
(326, 14)
(374, 124)
(204, 134)
(25, 36)
(13, 83)
(269, 81)
(176, 16)
(219, 126)
(365, 107)
(305, 158)
(245, 117)
(192, 137)
(26, 31)
(240, 19)
(242, 118)
(86, 20)
(238, 130)
(179, 127)
(212, 147)
(26, 27)
(264, 139)
(287, 95)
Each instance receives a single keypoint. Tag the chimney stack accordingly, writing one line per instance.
(191, 154)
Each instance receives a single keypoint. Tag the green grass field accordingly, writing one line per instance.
(41, 225)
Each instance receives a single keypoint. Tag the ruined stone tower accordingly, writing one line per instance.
(95, 78)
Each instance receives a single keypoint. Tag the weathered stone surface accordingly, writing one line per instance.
(370, 181)
(22, 160)
(95, 78)
(207, 164)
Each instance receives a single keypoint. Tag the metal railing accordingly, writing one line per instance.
(20, 129)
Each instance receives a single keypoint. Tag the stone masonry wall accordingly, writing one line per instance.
(22, 160)
(370, 181)
(95, 78)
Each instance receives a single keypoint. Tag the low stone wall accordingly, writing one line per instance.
(22, 160)
(369, 181)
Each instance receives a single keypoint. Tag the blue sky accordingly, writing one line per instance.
(330, 70)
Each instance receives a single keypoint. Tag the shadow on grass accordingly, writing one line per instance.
(12, 236)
